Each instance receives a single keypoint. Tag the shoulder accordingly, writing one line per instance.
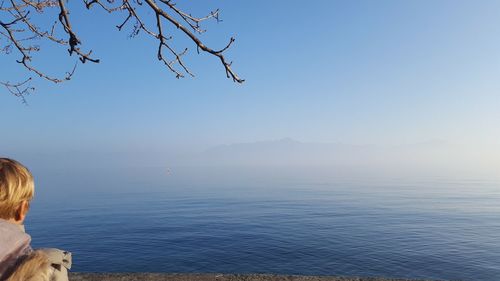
(43, 265)
(57, 257)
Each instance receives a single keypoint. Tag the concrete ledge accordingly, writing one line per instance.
(212, 277)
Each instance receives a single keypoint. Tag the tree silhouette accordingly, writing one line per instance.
(19, 33)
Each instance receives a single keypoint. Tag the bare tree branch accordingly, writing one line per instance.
(229, 72)
(19, 32)
(20, 90)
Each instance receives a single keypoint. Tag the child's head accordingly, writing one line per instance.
(16, 190)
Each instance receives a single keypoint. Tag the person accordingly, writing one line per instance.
(18, 261)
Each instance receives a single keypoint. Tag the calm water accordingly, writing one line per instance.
(436, 229)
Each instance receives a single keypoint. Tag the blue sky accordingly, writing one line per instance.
(360, 72)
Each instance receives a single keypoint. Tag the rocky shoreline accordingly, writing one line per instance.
(213, 277)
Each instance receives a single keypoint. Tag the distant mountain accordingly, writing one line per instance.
(289, 152)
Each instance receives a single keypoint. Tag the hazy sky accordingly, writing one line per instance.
(359, 72)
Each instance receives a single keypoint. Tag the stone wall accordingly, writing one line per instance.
(211, 277)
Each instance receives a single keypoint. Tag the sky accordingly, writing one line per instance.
(356, 72)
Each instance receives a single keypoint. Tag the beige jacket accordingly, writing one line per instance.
(18, 262)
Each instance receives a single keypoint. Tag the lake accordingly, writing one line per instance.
(249, 221)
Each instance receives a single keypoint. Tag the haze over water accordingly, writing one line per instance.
(365, 141)
(280, 220)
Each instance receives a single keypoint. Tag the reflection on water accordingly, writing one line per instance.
(436, 229)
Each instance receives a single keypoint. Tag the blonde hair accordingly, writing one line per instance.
(16, 186)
